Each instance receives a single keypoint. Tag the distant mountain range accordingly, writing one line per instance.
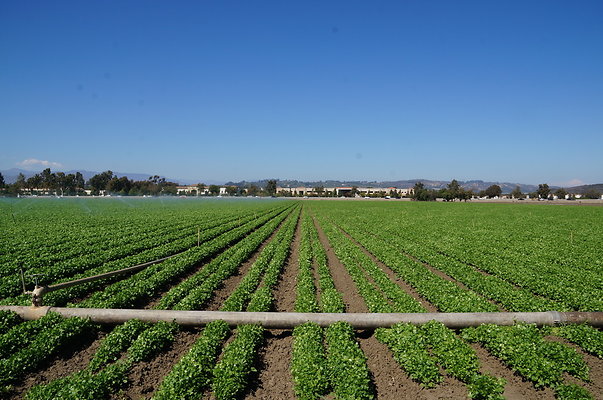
(475, 185)
(10, 176)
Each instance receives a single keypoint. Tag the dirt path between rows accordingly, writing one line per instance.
(194, 271)
(274, 379)
(145, 377)
(284, 297)
(393, 276)
(389, 380)
(230, 284)
(516, 387)
(68, 362)
(429, 267)
(344, 284)
(595, 365)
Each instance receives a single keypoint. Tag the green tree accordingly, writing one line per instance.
(17, 187)
(231, 190)
(214, 189)
(20, 180)
(69, 184)
(446, 194)
(201, 188)
(560, 193)
(419, 186)
(465, 194)
(493, 191)
(119, 185)
(169, 188)
(49, 179)
(454, 189)
(516, 193)
(60, 182)
(420, 193)
(592, 194)
(271, 187)
(34, 182)
(79, 182)
(100, 181)
(252, 190)
(543, 190)
(2, 183)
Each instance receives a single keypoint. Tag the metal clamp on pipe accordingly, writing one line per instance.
(37, 295)
(556, 317)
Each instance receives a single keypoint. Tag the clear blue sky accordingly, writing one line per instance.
(376, 90)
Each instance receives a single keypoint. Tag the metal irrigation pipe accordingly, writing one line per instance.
(39, 291)
(287, 320)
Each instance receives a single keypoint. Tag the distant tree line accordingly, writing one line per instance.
(61, 184)
(453, 192)
(153, 186)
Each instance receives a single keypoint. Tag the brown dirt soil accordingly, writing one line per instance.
(441, 274)
(595, 364)
(145, 377)
(394, 278)
(284, 297)
(316, 276)
(231, 283)
(274, 380)
(343, 281)
(389, 380)
(516, 387)
(69, 361)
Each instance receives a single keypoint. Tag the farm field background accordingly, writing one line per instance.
(304, 256)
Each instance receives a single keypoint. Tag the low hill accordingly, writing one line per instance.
(597, 187)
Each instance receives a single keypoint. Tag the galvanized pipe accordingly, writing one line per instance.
(286, 320)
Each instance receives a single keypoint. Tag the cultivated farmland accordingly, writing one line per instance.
(310, 257)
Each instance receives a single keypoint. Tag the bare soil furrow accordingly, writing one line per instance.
(389, 380)
(274, 380)
(595, 366)
(68, 362)
(431, 268)
(392, 276)
(231, 283)
(516, 387)
(145, 377)
(284, 296)
(343, 281)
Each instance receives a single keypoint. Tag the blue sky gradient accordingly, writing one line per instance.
(232, 90)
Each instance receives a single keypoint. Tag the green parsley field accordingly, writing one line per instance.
(278, 255)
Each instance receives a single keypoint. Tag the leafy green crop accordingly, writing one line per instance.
(8, 319)
(350, 376)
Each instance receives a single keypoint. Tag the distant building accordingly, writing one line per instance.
(191, 190)
(343, 191)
